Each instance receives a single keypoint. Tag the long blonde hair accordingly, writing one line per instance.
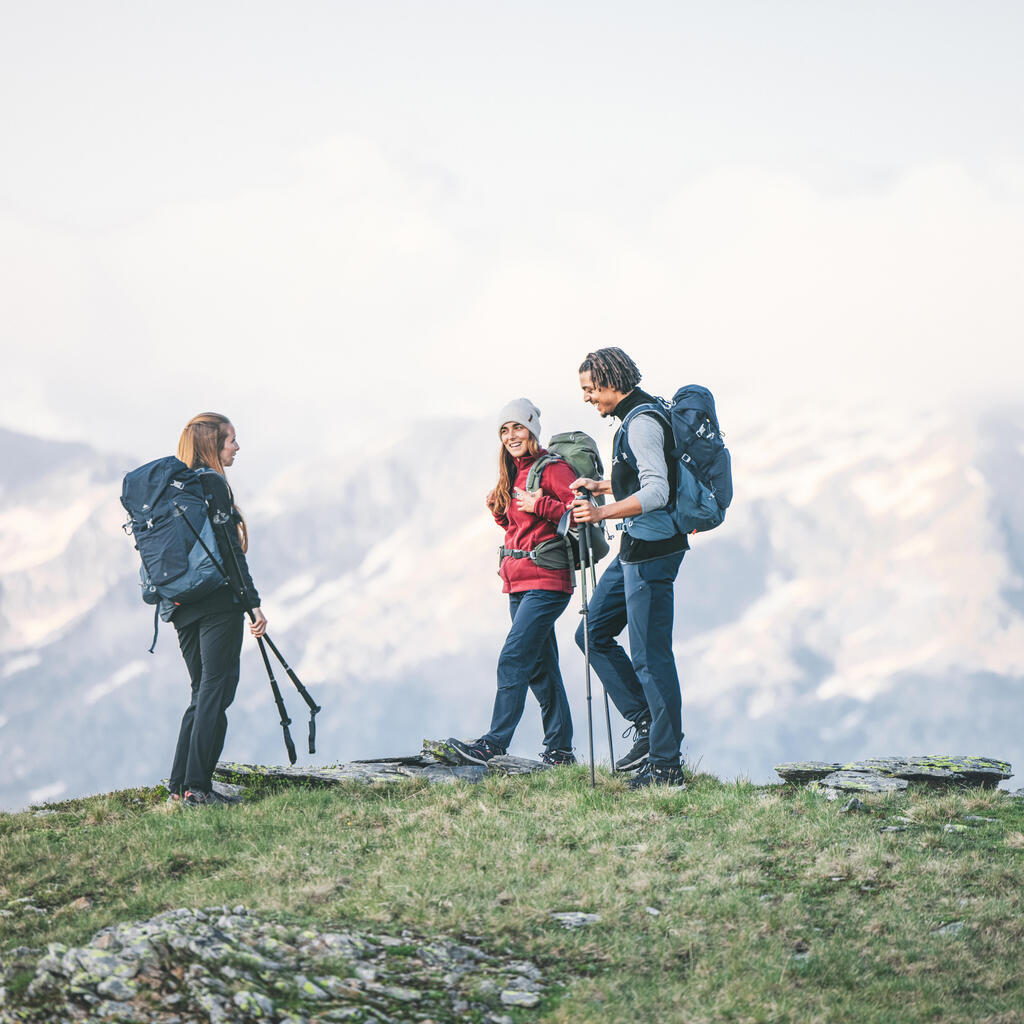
(200, 444)
(507, 475)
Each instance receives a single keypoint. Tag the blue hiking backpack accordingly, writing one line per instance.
(704, 469)
(175, 569)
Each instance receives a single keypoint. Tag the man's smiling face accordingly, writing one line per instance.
(603, 399)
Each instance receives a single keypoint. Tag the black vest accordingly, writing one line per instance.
(626, 482)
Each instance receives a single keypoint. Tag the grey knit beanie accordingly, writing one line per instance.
(521, 410)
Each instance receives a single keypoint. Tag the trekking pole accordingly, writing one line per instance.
(303, 692)
(314, 708)
(279, 701)
(607, 710)
(585, 612)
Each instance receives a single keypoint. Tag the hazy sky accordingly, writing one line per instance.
(325, 217)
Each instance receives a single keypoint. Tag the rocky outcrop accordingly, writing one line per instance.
(436, 763)
(892, 774)
(229, 966)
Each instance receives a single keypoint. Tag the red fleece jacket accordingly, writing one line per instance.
(525, 530)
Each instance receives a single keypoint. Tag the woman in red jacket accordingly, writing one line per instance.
(537, 595)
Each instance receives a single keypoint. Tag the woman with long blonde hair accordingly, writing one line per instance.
(210, 630)
(537, 593)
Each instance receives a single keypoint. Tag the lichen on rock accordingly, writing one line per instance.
(231, 966)
(935, 770)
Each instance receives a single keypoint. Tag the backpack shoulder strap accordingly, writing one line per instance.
(537, 469)
(657, 409)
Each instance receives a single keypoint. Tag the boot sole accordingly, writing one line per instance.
(468, 758)
(624, 766)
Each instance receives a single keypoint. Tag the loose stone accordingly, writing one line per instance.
(511, 997)
(576, 919)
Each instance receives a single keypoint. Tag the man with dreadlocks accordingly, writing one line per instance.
(636, 589)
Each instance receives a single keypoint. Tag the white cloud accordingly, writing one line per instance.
(353, 294)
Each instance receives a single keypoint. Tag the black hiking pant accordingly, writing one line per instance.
(211, 647)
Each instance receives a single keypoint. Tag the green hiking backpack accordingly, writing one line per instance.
(576, 448)
(579, 450)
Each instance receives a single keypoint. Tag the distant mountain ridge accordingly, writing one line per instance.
(864, 593)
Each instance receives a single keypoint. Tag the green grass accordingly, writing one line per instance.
(773, 905)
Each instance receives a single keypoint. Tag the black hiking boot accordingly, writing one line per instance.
(668, 775)
(197, 798)
(637, 755)
(558, 757)
(477, 752)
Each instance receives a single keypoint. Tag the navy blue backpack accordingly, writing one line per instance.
(158, 497)
(704, 472)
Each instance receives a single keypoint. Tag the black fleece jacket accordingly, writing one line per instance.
(225, 528)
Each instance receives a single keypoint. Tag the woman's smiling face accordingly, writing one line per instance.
(514, 437)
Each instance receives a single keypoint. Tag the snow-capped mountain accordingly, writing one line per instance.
(863, 597)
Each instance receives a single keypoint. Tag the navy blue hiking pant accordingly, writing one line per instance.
(639, 595)
(529, 661)
(211, 647)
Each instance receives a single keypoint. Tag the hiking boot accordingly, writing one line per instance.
(558, 757)
(477, 752)
(197, 798)
(637, 755)
(668, 775)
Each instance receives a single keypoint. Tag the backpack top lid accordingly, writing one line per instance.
(577, 449)
(142, 487)
(694, 396)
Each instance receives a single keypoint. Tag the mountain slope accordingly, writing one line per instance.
(864, 597)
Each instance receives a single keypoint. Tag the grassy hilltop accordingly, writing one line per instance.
(727, 902)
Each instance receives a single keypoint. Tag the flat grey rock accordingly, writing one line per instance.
(926, 769)
(806, 771)
(858, 782)
(413, 760)
(509, 764)
(356, 771)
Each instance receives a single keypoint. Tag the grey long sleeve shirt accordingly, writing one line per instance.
(647, 439)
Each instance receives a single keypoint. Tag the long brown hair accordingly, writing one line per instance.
(507, 475)
(200, 444)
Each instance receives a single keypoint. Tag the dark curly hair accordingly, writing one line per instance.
(611, 368)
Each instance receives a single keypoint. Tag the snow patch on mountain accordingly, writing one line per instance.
(120, 678)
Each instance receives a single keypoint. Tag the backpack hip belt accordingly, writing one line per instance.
(504, 552)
